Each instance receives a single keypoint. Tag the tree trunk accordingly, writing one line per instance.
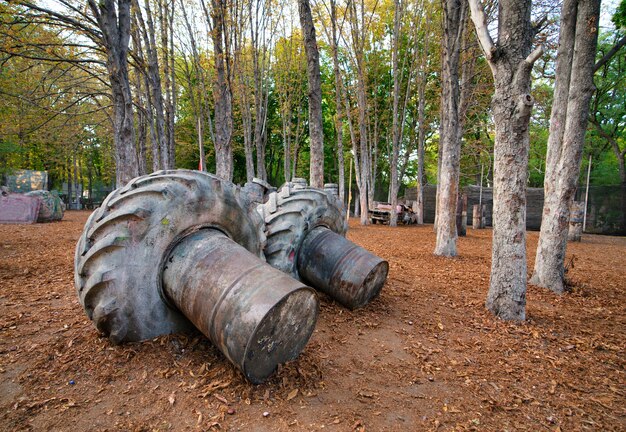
(242, 93)
(259, 60)
(450, 141)
(154, 79)
(173, 88)
(222, 95)
(316, 132)
(362, 168)
(396, 122)
(141, 138)
(579, 35)
(286, 151)
(142, 133)
(201, 104)
(364, 190)
(163, 16)
(201, 155)
(145, 92)
(338, 103)
(511, 64)
(114, 23)
(421, 134)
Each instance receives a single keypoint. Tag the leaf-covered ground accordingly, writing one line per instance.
(425, 355)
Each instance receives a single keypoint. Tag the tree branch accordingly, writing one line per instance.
(606, 57)
(479, 17)
(534, 56)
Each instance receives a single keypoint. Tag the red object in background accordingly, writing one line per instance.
(18, 209)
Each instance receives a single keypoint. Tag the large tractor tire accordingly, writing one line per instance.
(121, 254)
(290, 214)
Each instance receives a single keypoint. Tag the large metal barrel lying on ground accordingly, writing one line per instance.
(179, 247)
(305, 229)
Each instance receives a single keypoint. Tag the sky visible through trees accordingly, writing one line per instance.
(56, 111)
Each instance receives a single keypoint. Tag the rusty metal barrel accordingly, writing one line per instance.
(336, 266)
(256, 315)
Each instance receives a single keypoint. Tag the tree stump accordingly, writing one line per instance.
(576, 216)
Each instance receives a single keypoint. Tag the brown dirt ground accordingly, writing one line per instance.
(425, 355)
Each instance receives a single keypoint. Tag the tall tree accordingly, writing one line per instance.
(114, 23)
(396, 135)
(153, 73)
(421, 120)
(222, 92)
(334, 42)
(290, 83)
(358, 28)
(511, 62)
(454, 13)
(199, 100)
(262, 28)
(568, 123)
(316, 131)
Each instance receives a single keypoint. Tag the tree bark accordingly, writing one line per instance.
(154, 79)
(575, 90)
(362, 156)
(246, 115)
(450, 141)
(258, 29)
(173, 88)
(114, 23)
(511, 63)
(168, 100)
(203, 103)
(222, 94)
(338, 102)
(316, 132)
(421, 131)
(396, 136)
(142, 124)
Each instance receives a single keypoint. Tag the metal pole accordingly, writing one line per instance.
(587, 195)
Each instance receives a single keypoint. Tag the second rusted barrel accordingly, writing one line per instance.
(256, 315)
(343, 270)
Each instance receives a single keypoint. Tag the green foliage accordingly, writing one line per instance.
(607, 135)
(47, 123)
(619, 17)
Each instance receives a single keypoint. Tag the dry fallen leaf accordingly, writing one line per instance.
(221, 399)
(172, 399)
(292, 394)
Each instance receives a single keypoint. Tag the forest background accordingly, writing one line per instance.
(56, 106)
